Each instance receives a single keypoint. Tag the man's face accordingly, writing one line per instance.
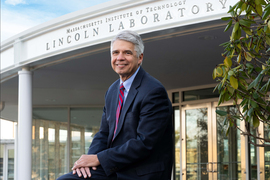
(124, 59)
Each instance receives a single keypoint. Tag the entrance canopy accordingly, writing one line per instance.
(70, 55)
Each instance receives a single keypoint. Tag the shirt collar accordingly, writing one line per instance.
(127, 83)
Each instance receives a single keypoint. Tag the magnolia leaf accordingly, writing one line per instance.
(265, 87)
(257, 48)
(251, 85)
(228, 62)
(256, 121)
(255, 82)
(223, 69)
(231, 90)
(248, 11)
(223, 80)
(250, 112)
(227, 96)
(265, 28)
(266, 13)
(231, 73)
(249, 44)
(243, 8)
(260, 2)
(221, 99)
(268, 6)
(234, 82)
(253, 104)
(239, 46)
(221, 113)
(239, 96)
(268, 40)
(239, 58)
(235, 31)
(239, 5)
(244, 101)
(247, 56)
(244, 22)
(247, 31)
(259, 9)
(243, 82)
(259, 42)
(268, 30)
(232, 8)
(249, 119)
(263, 2)
(259, 114)
(219, 72)
(255, 95)
(238, 67)
(225, 122)
(245, 108)
(219, 86)
(257, 2)
(226, 18)
(232, 53)
(215, 88)
(250, 70)
(214, 75)
(225, 44)
(249, 65)
(259, 32)
(238, 35)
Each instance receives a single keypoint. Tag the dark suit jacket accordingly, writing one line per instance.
(143, 144)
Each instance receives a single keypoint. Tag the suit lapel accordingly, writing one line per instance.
(114, 103)
(130, 98)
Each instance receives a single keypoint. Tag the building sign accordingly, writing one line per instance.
(149, 16)
(100, 27)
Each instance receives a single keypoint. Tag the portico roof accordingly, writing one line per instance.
(70, 57)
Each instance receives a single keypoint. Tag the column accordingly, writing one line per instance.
(24, 125)
(16, 152)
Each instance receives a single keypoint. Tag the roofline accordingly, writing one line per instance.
(80, 15)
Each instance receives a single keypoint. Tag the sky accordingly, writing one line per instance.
(7, 129)
(20, 15)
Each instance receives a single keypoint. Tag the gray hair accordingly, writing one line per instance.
(132, 37)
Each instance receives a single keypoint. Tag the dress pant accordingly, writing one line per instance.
(98, 174)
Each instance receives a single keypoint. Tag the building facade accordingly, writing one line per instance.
(54, 77)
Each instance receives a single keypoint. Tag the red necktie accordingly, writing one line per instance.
(119, 107)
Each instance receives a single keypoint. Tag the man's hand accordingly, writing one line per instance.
(85, 171)
(81, 166)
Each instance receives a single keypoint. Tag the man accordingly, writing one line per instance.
(135, 137)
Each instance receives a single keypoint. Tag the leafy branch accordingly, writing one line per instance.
(244, 74)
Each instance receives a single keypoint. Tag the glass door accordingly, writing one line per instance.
(266, 155)
(228, 162)
(8, 162)
(196, 131)
(207, 152)
(11, 163)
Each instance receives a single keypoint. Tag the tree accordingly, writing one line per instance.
(243, 77)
